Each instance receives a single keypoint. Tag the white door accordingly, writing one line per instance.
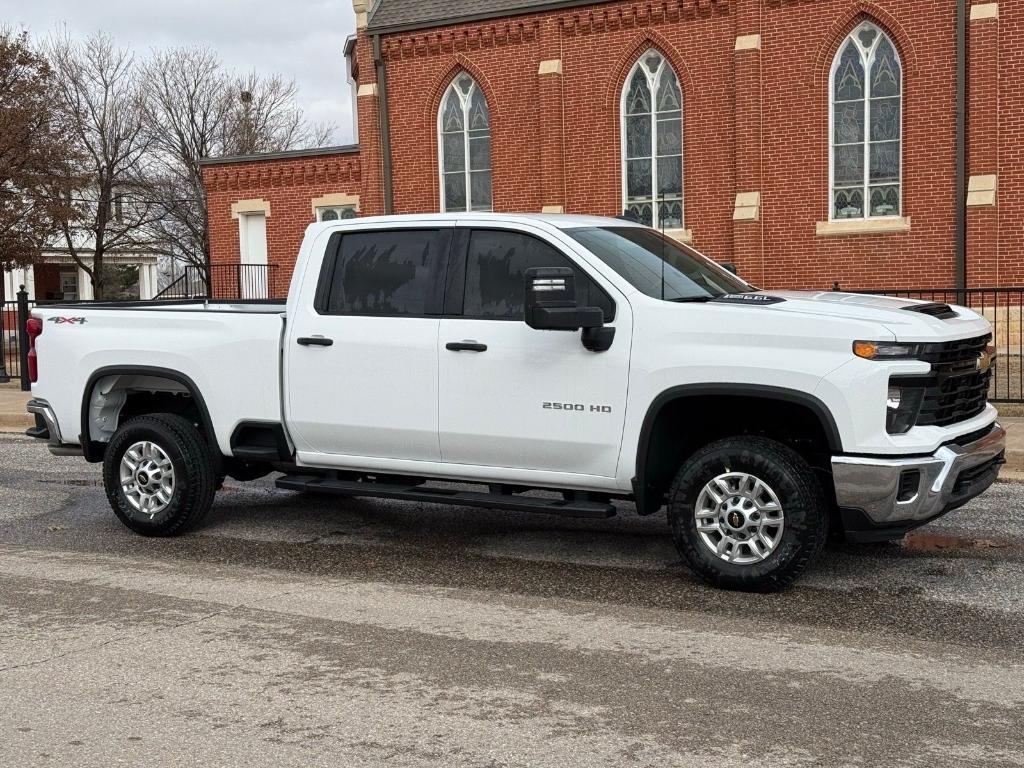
(528, 399)
(252, 276)
(361, 360)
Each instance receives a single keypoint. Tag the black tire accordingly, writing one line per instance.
(195, 474)
(805, 510)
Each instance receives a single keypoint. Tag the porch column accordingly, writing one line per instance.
(84, 286)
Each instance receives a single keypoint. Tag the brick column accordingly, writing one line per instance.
(550, 120)
(983, 268)
(748, 250)
(371, 191)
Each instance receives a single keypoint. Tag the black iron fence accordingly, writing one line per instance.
(13, 315)
(1000, 306)
(226, 281)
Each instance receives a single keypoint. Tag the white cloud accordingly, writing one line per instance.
(302, 39)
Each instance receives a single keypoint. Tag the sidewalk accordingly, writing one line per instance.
(13, 418)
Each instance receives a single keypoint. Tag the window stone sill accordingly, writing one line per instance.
(894, 225)
(684, 236)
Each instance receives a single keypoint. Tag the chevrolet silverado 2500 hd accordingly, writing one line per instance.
(553, 364)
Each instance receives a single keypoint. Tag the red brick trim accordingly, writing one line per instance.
(863, 10)
(642, 43)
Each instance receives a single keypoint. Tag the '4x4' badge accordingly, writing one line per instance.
(67, 320)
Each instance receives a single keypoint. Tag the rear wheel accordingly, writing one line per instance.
(748, 513)
(159, 474)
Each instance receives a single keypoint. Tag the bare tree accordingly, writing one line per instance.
(97, 88)
(195, 109)
(35, 170)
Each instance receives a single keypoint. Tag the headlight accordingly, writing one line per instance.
(886, 350)
(903, 405)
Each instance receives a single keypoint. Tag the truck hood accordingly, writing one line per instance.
(906, 319)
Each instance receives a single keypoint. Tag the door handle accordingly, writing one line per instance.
(316, 341)
(465, 346)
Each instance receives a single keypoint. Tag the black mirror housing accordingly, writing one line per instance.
(550, 305)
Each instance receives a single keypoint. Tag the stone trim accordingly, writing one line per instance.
(981, 191)
(984, 11)
(335, 200)
(890, 225)
(684, 236)
(748, 43)
(748, 207)
(553, 209)
(550, 67)
(362, 13)
(258, 205)
(367, 89)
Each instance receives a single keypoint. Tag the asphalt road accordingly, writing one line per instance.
(298, 631)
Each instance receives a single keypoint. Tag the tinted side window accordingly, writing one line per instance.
(386, 273)
(494, 275)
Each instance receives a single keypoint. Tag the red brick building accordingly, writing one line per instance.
(809, 141)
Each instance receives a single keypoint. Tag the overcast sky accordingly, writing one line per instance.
(301, 39)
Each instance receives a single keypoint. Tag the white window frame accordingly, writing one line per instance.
(653, 85)
(466, 101)
(868, 60)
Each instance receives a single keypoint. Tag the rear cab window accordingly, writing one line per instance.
(394, 273)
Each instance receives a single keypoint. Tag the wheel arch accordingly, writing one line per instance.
(155, 379)
(649, 483)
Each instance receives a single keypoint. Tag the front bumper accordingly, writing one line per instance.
(883, 498)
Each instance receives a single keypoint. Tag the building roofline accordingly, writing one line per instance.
(346, 149)
(525, 10)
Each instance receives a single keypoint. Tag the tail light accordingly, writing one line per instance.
(34, 328)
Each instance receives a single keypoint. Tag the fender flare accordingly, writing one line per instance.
(92, 450)
(687, 391)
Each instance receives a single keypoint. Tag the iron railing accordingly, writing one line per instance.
(227, 281)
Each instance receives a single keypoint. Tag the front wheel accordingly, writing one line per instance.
(159, 475)
(747, 513)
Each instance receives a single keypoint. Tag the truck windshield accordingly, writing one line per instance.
(659, 266)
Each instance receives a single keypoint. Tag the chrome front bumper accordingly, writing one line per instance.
(949, 478)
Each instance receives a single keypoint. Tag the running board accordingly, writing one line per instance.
(507, 501)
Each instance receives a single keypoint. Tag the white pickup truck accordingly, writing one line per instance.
(554, 364)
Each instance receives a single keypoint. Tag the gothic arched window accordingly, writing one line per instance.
(464, 138)
(652, 143)
(866, 93)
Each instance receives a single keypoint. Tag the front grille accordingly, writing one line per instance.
(956, 390)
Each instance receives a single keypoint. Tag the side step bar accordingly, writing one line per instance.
(352, 488)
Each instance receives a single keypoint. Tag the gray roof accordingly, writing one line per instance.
(395, 15)
(286, 155)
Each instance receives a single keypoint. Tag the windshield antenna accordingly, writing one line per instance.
(664, 245)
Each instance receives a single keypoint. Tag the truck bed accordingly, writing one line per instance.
(229, 351)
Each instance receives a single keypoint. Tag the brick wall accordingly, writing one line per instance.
(755, 120)
(289, 186)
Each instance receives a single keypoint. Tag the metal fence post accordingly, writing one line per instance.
(26, 384)
(4, 377)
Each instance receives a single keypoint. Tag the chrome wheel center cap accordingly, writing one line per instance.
(147, 478)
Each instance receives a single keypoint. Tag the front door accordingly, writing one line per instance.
(514, 397)
(361, 359)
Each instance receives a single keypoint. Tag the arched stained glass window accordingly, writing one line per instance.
(866, 91)
(652, 143)
(464, 138)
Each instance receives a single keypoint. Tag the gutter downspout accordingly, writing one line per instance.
(384, 120)
(961, 149)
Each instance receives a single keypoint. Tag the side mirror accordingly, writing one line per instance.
(550, 305)
(729, 267)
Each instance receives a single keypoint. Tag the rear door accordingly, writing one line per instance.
(514, 397)
(361, 351)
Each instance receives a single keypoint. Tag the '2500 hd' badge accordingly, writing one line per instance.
(67, 320)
